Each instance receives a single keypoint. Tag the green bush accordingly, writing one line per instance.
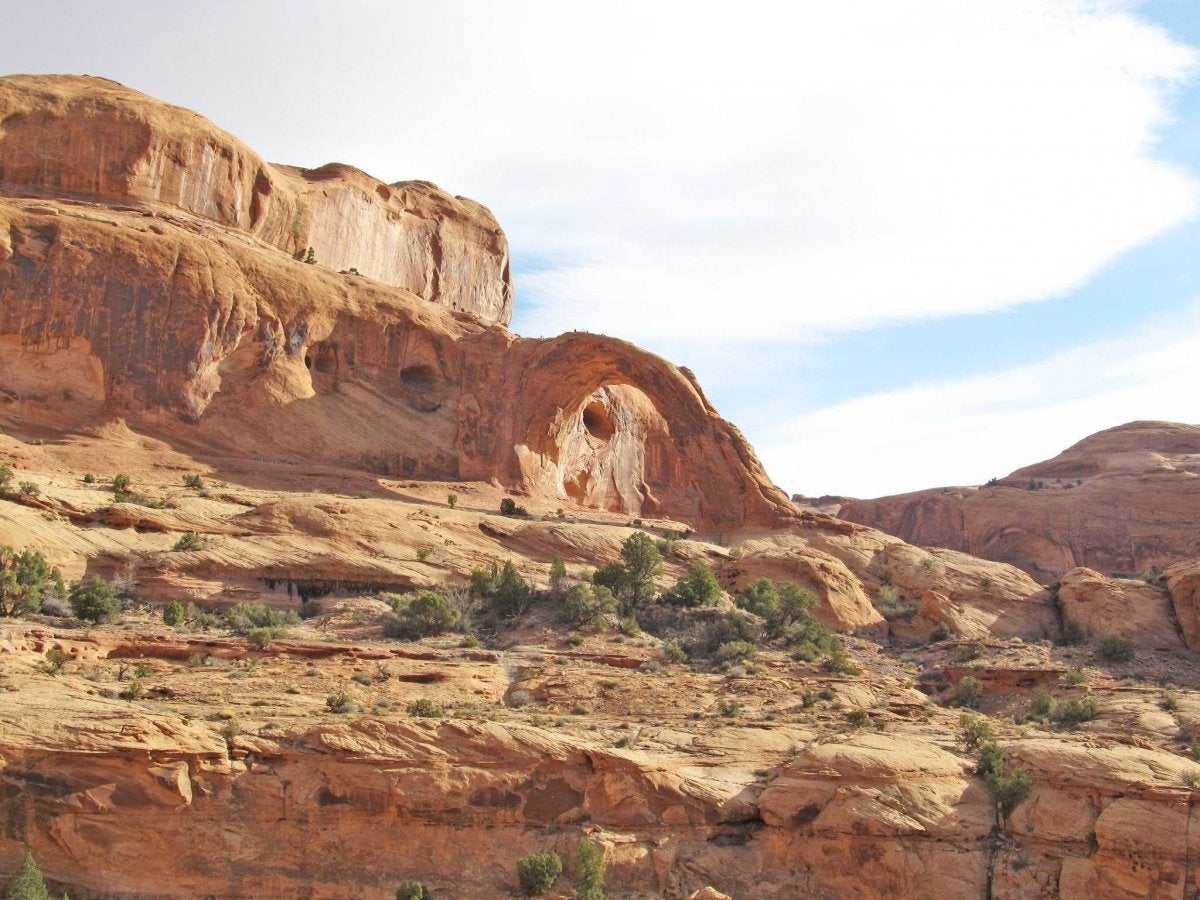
(413, 890)
(6, 477)
(974, 731)
(509, 593)
(673, 653)
(425, 708)
(891, 606)
(27, 883)
(1077, 710)
(508, 507)
(245, 616)
(29, 489)
(25, 578)
(538, 872)
(967, 693)
(339, 703)
(95, 600)
(120, 483)
(189, 540)
(452, 500)
(1111, 648)
(424, 615)
(940, 633)
(558, 576)
(195, 482)
(589, 869)
(55, 660)
(735, 651)
(1072, 634)
(697, 587)
(969, 652)
(1007, 784)
(587, 604)
(1044, 704)
(642, 563)
(260, 638)
(173, 614)
(859, 718)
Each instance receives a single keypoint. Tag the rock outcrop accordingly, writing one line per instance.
(1121, 501)
(148, 270)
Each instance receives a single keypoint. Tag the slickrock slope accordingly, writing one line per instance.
(1120, 501)
(153, 278)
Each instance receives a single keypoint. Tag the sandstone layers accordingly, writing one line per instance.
(149, 269)
(1120, 501)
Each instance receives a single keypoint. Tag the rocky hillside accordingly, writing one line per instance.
(1125, 500)
(322, 582)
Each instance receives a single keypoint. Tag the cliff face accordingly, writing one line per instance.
(147, 270)
(92, 139)
(1120, 501)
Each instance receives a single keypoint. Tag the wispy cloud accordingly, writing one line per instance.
(964, 432)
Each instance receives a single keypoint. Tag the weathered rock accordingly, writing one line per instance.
(1120, 501)
(1127, 607)
(159, 284)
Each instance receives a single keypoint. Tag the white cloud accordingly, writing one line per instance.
(964, 432)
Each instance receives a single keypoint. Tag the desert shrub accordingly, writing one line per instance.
(452, 500)
(504, 589)
(967, 693)
(642, 563)
(95, 600)
(260, 638)
(424, 553)
(696, 587)
(188, 541)
(195, 482)
(245, 616)
(574, 640)
(120, 483)
(558, 576)
(54, 661)
(424, 708)
(508, 507)
(413, 890)
(589, 872)
(424, 615)
(969, 652)
(1112, 648)
(538, 872)
(1044, 704)
(1007, 784)
(339, 703)
(6, 477)
(588, 604)
(28, 489)
(27, 883)
(939, 633)
(890, 605)
(1009, 787)
(173, 614)
(735, 651)
(839, 663)
(673, 653)
(310, 257)
(859, 718)
(729, 708)
(973, 731)
(308, 609)
(1072, 634)
(134, 690)
(89, 478)
(1077, 710)
(611, 576)
(1075, 677)
(363, 679)
(26, 579)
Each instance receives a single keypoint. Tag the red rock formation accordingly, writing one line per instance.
(1120, 501)
(159, 284)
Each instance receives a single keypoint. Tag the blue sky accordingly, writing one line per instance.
(901, 245)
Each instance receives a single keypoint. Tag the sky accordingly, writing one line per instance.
(902, 243)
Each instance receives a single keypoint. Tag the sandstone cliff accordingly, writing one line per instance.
(1121, 501)
(153, 277)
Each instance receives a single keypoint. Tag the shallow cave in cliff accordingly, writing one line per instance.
(597, 421)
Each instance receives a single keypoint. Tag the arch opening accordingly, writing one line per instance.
(598, 422)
